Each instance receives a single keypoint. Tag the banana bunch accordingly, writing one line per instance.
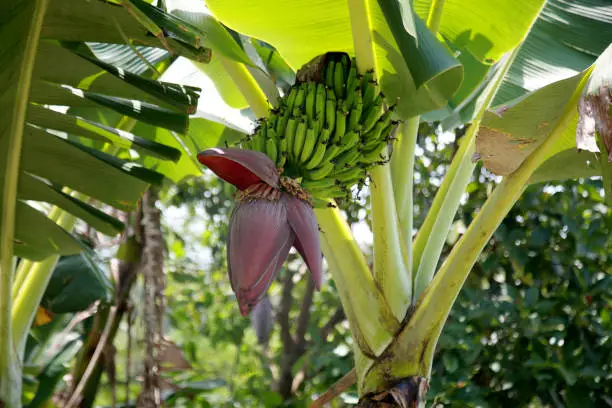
(328, 133)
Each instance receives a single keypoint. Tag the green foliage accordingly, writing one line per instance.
(529, 327)
(77, 282)
(531, 324)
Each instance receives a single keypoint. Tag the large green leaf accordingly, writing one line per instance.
(234, 48)
(508, 136)
(36, 189)
(202, 134)
(55, 366)
(69, 165)
(90, 74)
(101, 21)
(486, 29)
(37, 237)
(566, 38)
(76, 283)
(479, 33)
(74, 125)
(568, 164)
(135, 59)
(322, 26)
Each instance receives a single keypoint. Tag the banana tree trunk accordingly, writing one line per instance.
(154, 286)
(127, 271)
(409, 392)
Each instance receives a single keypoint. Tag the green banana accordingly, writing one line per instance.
(355, 113)
(247, 143)
(317, 156)
(349, 140)
(311, 93)
(327, 192)
(324, 135)
(333, 191)
(271, 149)
(320, 102)
(321, 182)
(329, 74)
(346, 158)
(290, 133)
(369, 88)
(271, 121)
(332, 151)
(330, 110)
(374, 154)
(373, 136)
(282, 159)
(298, 141)
(281, 124)
(321, 172)
(282, 147)
(352, 82)
(260, 139)
(291, 98)
(272, 135)
(340, 126)
(385, 119)
(349, 174)
(372, 115)
(339, 80)
(309, 144)
(389, 131)
(316, 127)
(300, 99)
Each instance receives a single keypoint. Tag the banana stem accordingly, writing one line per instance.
(440, 296)
(430, 239)
(390, 269)
(414, 345)
(371, 320)
(35, 280)
(435, 15)
(26, 265)
(20, 275)
(21, 56)
(247, 85)
(402, 172)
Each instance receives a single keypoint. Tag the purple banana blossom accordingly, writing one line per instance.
(267, 221)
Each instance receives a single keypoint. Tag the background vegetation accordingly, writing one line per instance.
(531, 327)
(125, 316)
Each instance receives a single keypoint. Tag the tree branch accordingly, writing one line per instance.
(303, 320)
(338, 388)
(285, 377)
(154, 284)
(328, 327)
(283, 315)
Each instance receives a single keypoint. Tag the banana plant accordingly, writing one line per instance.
(68, 153)
(368, 72)
(440, 60)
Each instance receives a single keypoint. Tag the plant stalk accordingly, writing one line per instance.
(247, 85)
(402, 172)
(34, 285)
(371, 320)
(448, 281)
(430, 239)
(17, 94)
(390, 269)
(414, 346)
(435, 15)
